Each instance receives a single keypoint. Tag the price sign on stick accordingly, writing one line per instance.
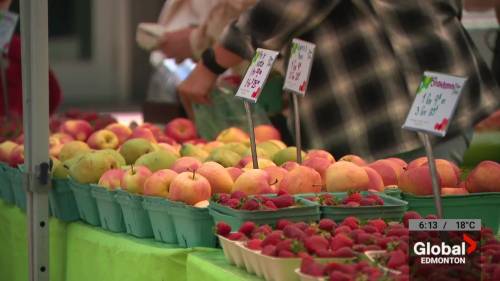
(297, 77)
(8, 22)
(256, 75)
(251, 87)
(299, 66)
(431, 113)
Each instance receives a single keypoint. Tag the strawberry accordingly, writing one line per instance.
(269, 205)
(324, 253)
(251, 205)
(282, 223)
(310, 231)
(302, 225)
(315, 243)
(410, 215)
(355, 233)
(238, 195)
(344, 268)
(327, 225)
(254, 244)
(247, 228)
(382, 242)
(342, 229)
(340, 240)
(303, 255)
(352, 222)
(344, 252)
(283, 201)
(282, 192)
(366, 238)
(233, 203)
(292, 231)
(369, 228)
(284, 245)
(353, 197)
(397, 232)
(340, 276)
(308, 266)
(273, 238)
(262, 230)
(286, 254)
(379, 224)
(329, 202)
(352, 204)
(221, 198)
(222, 229)
(431, 217)
(396, 258)
(365, 201)
(373, 248)
(235, 236)
(269, 250)
(359, 248)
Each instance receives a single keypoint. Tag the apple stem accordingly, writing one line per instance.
(132, 168)
(194, 171)
(275, 182)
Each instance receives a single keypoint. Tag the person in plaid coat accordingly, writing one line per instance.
(369, 59)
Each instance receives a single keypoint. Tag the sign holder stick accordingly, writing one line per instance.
(253, 145)
(434, 176)
(296, 120)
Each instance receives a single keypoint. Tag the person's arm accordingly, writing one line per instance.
(269, 24)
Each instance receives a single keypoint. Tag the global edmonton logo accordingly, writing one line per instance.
(444, 253)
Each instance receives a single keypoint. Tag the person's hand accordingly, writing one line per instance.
(197, 87)
(177, 45)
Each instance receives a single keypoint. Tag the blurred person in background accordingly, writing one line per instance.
(12, 55)
(369, 60)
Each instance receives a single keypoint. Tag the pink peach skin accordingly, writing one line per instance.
(354, 159)
(276, 174)
(484, 178)
(219, 178)
(418, 180)
(266, 132)
(319, 164)
(301, 180)
(376, 181)
(343, 176)
(234, 172)
(319, 153)
(143, 133)
(253, 182)
(289, 165)
(389, 170)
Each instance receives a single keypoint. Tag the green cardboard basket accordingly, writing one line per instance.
(6, 191)
(16, 183)
(62, 201)
(309, 212)
(86, 204)
(161, 220)
(136, 218)
(484, 206)
(393, 208)
(394, 192)
(110, 212)
(193, 226)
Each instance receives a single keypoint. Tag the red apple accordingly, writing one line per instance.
(17, 156)
(484, 178)
(103, 139)
(121, 131)
(253, 182)
(158, 184)
(143, 133)
(234, 172)
(78, 129)
(186, 164)
(111, 179)
(354, 159)
(266, 132)
(190, 188)
(181, 130)
(301, 180)
(134, 178)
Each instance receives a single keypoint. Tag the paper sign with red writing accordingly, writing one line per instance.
(256, 75)
(299, 66)
(434, 104)
(8, 22)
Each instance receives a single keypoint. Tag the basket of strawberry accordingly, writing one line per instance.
(237, 207)
(364, 205)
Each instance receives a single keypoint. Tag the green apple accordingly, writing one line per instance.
(115, 155)
(287, 154)
(237, 147)
(60, 170)
(261, 153)
(194, 151)
(90, 167)
(269, 147)
(156, 160)
(73, 148)
(132, 149)
(225, 157)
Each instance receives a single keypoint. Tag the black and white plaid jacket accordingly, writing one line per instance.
(369, 60)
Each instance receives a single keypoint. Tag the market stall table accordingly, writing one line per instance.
(80, 252)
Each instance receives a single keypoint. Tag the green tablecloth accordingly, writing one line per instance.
(212, 266)
(80, 252)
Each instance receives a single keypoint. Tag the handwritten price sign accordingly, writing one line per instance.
(8, 23)
(256, 75)
(435, 103)
(299, 66)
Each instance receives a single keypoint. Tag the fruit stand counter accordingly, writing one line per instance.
(213, 266)
(82, 252)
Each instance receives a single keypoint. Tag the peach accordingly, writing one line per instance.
(219, 178)
(190, 188)
(417, 162)
(453, 191)
(301, 180)
(319, 153)
(78, 129)
(111, 179)
(389, 170)
(448, 171)
(266, 132)
(234, 172)
(319, 164)
(253, 182)
(186, 164)
(485, 177)
(143, 133)
(398, 161)
(158, 184)
(276, 174)
(418, 180)
(121, 131)
(354, 159)
(344, 176)
(103, 139)
(376, 182)
(232, 134)
(289, 165)
(62, 137)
